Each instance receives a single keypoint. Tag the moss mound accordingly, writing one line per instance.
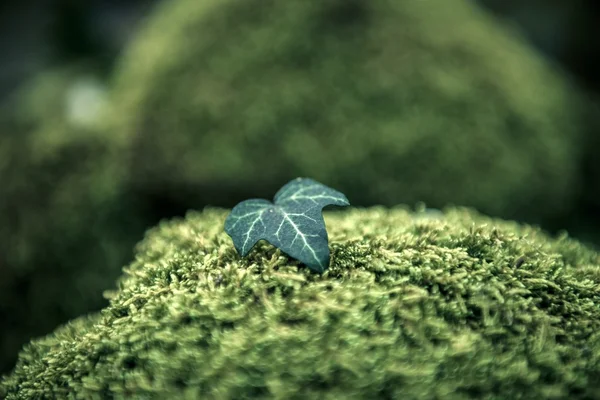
(390, 102)
(65, 226)
(414, 305)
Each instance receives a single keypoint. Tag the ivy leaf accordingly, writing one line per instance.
(293, 223)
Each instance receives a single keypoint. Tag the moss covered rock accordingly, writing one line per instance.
(414, 305)
(65, 223)
(391, 102)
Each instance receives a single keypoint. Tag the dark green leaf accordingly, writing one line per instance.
(294, 223)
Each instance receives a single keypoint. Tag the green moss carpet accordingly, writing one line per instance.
(414, 305)
(214, 102)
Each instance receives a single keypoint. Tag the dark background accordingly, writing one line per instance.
(35, 34)
(56, 35)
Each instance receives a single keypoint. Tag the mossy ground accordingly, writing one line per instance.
(389, 102)
(220, 101)
(414, 305)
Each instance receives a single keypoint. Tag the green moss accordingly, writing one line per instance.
(65, 222)
(389, 102)
(451, 306)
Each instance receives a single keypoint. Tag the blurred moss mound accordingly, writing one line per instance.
(389, 102)
(65, 226)
(414, 305)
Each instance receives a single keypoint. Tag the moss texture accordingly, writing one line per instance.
(65, 226)
(414, 305)
(389, 101)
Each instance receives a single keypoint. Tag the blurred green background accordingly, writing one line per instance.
(116, 114)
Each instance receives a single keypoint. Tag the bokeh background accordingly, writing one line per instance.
(117, 114)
